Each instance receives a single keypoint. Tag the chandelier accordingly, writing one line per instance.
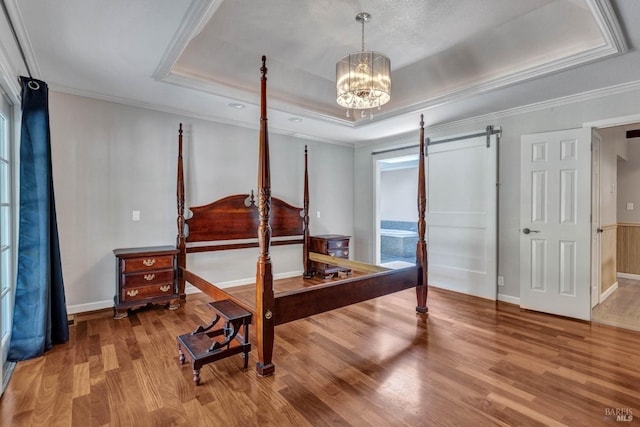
(363, 79)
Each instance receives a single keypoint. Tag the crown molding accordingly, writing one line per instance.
(23, 37)
(530, 108)
(8, 77)
(189, 113)
(543, 105)
(236, 94)
(397, 138)
(521, 77)
(198, 14)
(605, 16)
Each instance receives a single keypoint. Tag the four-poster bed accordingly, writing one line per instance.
(274, 302)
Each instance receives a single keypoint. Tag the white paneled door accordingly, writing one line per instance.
(555, 224)
(461, 216)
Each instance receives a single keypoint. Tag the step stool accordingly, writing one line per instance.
(205, 345)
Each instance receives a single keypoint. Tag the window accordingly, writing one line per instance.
(7, 234)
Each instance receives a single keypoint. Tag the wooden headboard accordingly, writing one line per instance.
(236, 217)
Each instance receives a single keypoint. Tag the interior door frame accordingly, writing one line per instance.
(378, 157)
(603, 124)
(596, 240)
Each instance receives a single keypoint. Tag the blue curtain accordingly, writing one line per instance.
(40, 313)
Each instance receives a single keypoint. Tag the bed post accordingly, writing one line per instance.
(180, 240)
(421, 247)
(265, 322)
(305, 245)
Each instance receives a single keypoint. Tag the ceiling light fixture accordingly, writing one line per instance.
(236, 105)
(295, 119)
(363, 79)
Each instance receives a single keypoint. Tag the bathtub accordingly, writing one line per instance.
(398, 242)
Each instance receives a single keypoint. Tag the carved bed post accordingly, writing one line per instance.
(265, 322)
(305, 206)
(421, 247)
(180, 239)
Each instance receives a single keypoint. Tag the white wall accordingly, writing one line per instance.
(628, 183)
(110, 159)
(513, 124)
(609, 187)
(399, 194)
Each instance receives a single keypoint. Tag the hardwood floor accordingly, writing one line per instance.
(471, 362)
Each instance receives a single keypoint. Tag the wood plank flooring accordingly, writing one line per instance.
(471, 362)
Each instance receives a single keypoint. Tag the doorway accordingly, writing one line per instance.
(619, 228)
(397, 217)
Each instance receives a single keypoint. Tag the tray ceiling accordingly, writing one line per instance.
(199, 56)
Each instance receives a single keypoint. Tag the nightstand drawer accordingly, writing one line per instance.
(149, 291)
(147, 263)
(339, 253)
(147, 278)
(337, 244)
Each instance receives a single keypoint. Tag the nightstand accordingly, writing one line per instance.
(145, 276)
(334, 245)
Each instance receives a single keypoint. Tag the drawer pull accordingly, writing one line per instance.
(132, 293)
(149, 277)
(165, 288)
(339, 244)
(149, 262)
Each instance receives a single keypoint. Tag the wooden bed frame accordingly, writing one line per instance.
(242, 217)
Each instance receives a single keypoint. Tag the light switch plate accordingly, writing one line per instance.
(629, 206)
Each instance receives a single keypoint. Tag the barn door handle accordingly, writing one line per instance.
(527, 231)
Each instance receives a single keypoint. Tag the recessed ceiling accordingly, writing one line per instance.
(198, 57)
(437, 48)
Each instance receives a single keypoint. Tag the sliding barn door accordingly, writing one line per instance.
(555, 224)
(461, 217)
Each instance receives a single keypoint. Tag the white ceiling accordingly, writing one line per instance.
(450, 59)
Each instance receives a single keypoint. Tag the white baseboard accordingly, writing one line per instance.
(629, 276)
(606, 294)
(509, 298)
(91, 306)
(190, 289)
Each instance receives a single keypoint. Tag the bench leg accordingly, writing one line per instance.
(196, 376)
(181, 357)
(245, 359)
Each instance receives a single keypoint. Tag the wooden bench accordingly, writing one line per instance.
(205, 345)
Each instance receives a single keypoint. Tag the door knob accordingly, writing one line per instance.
(527, 231)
